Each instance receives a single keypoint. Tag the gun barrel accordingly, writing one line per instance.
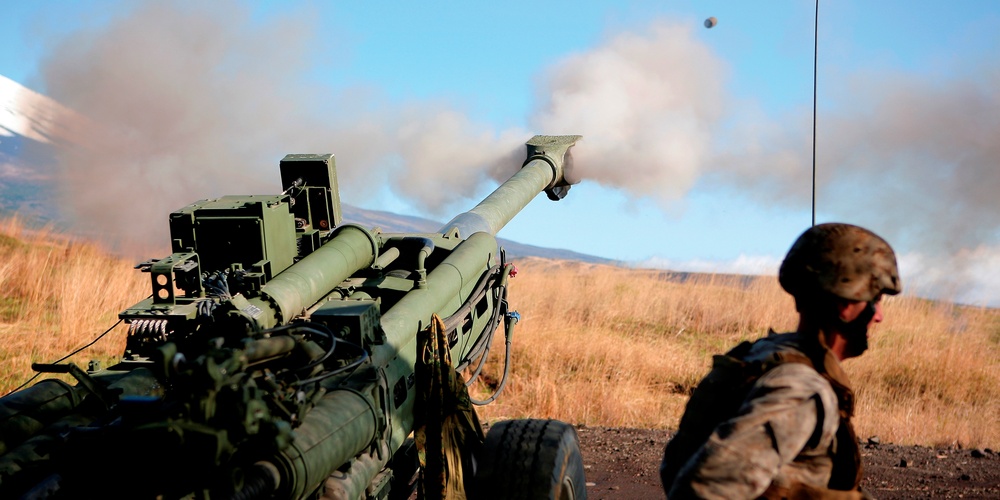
(302, 285)
(548, 162)
(340, 427)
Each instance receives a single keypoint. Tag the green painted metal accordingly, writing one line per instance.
(340, 426)
(351, 249)
(276, 356)
(545, 169)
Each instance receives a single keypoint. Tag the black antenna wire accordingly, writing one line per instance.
(815, 56)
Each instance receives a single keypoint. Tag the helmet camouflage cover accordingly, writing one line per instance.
(848, 261)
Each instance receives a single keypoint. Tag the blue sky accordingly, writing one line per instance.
(491, 75)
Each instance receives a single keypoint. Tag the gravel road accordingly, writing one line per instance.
(623, 464)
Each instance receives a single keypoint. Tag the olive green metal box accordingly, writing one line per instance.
(256, 233)
(312, 180)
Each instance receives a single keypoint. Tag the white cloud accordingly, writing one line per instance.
(744, 264)
(969, 276)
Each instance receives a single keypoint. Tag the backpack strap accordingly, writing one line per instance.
(720, 394)
(847, 468)
(717, 398)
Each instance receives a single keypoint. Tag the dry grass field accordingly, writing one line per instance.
(596, 345)
(57, 295)
(608, 346)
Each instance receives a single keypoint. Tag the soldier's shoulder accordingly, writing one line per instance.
(777, 348)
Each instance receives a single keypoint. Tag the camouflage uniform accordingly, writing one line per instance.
(773, 418)
(792, 436)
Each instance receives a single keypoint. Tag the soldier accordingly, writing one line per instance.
(773, 418)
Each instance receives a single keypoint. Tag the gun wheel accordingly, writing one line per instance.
(531, 459)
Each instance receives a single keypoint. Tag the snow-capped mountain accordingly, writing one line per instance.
(29, 128)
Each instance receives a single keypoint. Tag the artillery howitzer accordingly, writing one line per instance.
(275, 357)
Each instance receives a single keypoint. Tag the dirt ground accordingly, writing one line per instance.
(623, 464)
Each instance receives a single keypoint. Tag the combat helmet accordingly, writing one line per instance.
(844, 260)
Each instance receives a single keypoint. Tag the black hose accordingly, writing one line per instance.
(64, 358)
(511, 319)
(353, 366)
(481, 348)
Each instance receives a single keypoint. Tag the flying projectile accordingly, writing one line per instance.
(710, 22)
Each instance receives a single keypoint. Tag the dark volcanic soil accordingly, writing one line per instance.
(624, 463)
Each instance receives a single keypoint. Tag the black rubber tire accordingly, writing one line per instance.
(531, 459)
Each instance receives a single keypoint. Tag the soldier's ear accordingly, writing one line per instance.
(850, 310)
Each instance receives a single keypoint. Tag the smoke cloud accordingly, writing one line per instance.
(912, 157)
(646, 104)
(178, 113)
(197, 100)
(201, 100)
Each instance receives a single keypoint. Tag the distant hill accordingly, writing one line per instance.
(26, 152)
